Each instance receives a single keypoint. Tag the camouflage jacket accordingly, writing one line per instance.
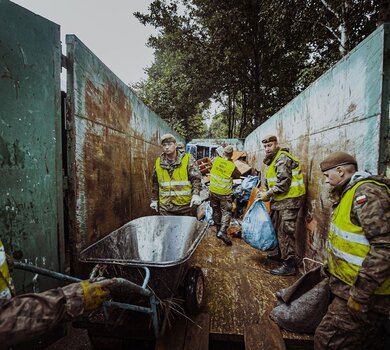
(194, 174)
(283, 168)
(373, 215)
(30, 315)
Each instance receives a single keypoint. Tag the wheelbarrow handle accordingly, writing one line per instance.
(45, 272)
(125, 287)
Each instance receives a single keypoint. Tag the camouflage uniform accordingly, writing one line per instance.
(30, 315)
(284, 213)
(194, 176)
(222, 206)
(340, 329)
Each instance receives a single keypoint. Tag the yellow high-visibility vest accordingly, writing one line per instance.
(221, 181)
(347, 244)
(7, 289)
(176, 189)
(297, 187)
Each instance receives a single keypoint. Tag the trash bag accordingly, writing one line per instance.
(206, 213)
(257, 228)
(247, 184)
(303, 305)
(238, 191)
(253, 197)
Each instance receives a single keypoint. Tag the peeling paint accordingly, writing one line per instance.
(113, 142)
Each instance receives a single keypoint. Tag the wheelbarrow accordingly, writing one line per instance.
(155, 253)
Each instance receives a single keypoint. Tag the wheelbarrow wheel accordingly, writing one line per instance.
(195, 292)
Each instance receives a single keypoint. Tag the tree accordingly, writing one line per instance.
(253, 56)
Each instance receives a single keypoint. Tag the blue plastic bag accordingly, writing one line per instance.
(257, 228)
(247, 184)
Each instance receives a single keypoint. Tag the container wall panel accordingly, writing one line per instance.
(31, 219)
(113, 143)
(344, 110)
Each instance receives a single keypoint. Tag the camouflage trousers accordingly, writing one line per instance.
(285, 223)
(222, 210)
(339, 329)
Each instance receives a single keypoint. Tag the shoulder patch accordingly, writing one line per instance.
(361, 199)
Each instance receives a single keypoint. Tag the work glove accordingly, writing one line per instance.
(195, 200)
(358, 311)
(95, 293)
(354, 307)
(154, 205)
(263, 196)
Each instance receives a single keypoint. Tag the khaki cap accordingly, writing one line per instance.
(180, 145)
(336, 159)
(167, 137)
(269, 138)
(228, 150)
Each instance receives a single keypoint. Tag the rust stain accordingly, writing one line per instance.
(108, 105)
(106, 184)
(351, 107)
(107, 161)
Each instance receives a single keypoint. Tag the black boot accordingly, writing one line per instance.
(224, 237)
(275, 256)
(287, 269)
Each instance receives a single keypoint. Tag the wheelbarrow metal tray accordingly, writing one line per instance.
(164, 244)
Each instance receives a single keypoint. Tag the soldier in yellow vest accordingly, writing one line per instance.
(286, 190)
(358, 257)
(24, 317)
(221, 182)
(176, 181)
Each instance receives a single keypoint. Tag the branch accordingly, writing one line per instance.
(329, 8)
(325, 26)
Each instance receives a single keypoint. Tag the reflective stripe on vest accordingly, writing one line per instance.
(347, 244)
(221, 181)
(6, 286)
(176, 189)
(297, 187)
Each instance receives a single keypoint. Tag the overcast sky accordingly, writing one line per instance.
(107, 27)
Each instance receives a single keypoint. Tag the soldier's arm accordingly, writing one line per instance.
(27, 316)
(194, 175)
(283, 167)
(154, 185)
(371, 210)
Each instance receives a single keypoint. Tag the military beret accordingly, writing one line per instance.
(336, 159)
(228, 150)
(269, 138)
(167, 138)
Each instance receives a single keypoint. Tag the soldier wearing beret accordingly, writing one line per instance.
(286, 190)
(221, 182)
(358, 257)
(176, 181)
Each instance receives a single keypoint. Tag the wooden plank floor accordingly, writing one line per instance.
(240, 290)
(239, 286)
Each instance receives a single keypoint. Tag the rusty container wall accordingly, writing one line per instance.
(31, 210)
(113, 143)
(346, 109)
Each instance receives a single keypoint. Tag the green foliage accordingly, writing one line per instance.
(253, 56)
